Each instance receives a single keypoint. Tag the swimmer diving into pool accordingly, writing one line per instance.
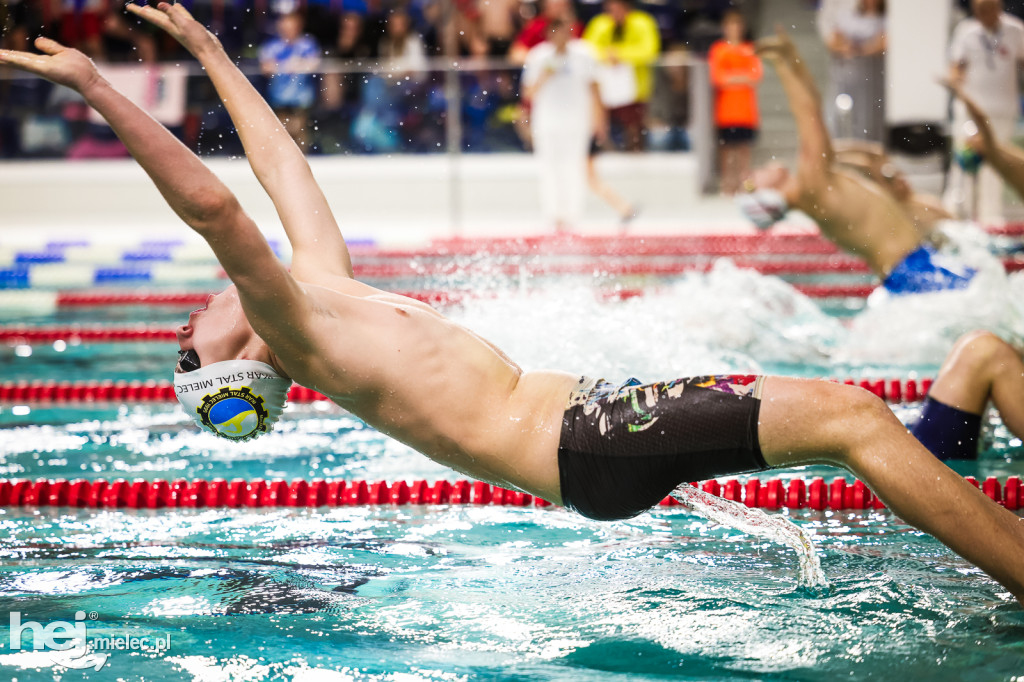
(605, 451)
(981, 368)
(858, 215)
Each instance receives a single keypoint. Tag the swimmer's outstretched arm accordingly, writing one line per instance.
(1005, 158)
(272, 299)
(318, 248)
(816, 154)
(184, 181)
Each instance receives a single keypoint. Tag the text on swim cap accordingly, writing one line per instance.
(228, 379)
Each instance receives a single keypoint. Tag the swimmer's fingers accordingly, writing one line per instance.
(60, 64)
(36, 63)
(26, 61)
(775, 47)
(179, 23)
(153, 15)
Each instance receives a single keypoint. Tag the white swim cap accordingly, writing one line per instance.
(235, 399)
(763, 207)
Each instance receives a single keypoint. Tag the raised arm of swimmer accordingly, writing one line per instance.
(267, 291)
(816, 152)
(1005, 158)
(318, 248)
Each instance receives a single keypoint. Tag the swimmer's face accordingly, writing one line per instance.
(772, 176)
(218, 331)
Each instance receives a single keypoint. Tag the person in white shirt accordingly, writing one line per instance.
(559, 81)
(985, 54)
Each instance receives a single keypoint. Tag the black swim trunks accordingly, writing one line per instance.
(947, 432)
(624, 448)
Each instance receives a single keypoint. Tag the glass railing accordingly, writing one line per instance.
(471, 106)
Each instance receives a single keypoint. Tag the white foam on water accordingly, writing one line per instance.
(702, 324)
(756, 522)
(921, 328)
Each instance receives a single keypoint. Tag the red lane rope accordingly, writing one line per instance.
(23, 334)
(601, 245)
(811, 266)
(68, 299)
(67, 392)
(797, 493)
(71, 299)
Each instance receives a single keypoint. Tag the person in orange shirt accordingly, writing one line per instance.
(735, 71)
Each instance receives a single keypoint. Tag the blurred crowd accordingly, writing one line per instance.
(355, 75)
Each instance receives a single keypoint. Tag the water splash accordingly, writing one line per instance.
(756, 522)
(923, 327)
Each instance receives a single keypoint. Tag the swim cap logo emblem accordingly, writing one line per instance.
(234, 413)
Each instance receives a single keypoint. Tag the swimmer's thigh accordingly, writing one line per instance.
(805, 421)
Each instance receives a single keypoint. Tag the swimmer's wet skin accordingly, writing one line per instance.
(410, 373)
(859, 215)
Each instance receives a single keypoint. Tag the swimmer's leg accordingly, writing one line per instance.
(806, 421)
(983, 367)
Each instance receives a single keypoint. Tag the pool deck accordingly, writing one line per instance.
(402, 200)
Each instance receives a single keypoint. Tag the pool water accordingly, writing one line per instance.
(466, 593)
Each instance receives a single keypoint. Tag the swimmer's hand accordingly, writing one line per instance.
(777, 48)
(984, 141)
(176, 20)
(58, 64)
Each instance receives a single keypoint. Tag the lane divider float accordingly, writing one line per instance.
(772, 494)
(68, 392)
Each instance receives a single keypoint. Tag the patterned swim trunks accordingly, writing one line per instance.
(624, 447)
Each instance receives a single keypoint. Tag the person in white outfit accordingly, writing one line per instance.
(559, 81)
(986, 51)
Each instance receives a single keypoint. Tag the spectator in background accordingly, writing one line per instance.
(735, 71)
(627, 44)
(91, 25)
(857, 70)
(668, 117)
(985, 52)
(400, 48)
(289, 59)
(497, 25)
(388, 97)
(828, 14)
(536, 32)
(559, 80)
(81, 25)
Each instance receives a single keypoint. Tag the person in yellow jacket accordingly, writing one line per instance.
(623, 37)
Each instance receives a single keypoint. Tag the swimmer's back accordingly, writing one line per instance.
(408, 371)
(860, 217)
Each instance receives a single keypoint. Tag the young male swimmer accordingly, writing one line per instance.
(605, 451)
(860, 216)
(980, 368)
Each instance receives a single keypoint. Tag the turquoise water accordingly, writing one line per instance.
(465, 593)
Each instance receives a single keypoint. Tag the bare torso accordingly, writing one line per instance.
(859, 217)
(414, 375)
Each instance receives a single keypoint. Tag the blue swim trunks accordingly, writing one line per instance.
(927, 270)
(947, 432)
